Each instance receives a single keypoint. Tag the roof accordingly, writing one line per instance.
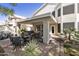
(18, 17)
(36, 17)
(45, 4)
(40, 8)
(39, 16)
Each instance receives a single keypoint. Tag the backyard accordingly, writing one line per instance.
(30, 49)
(32, 45)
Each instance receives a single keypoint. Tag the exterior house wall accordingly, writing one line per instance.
(13, 26)
(78, 17)
(68, 15)
(66, 18)
(69, 18)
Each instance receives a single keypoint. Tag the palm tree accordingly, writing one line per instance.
(7, 11)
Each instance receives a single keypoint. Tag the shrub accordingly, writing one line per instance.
(32, 49)
(71, 52)
(20, 31)
(67, 46)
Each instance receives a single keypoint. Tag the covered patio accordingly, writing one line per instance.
(45, 24)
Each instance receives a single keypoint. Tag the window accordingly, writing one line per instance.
(68, 25)
(59, 12)
(59, 28)
(53, 13)
(68, 9)
(78, 7)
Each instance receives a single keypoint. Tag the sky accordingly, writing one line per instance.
(22, 9)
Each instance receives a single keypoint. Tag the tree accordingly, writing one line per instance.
(7, 11)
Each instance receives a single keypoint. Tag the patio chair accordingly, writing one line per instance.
(17, 42)
(27, 36)
(38, 36)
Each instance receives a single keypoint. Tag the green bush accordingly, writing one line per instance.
(71, 51)
(32, 49)
(76, 35)
(67, 46)
(20, 31)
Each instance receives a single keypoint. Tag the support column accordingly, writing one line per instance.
(56, 28)
(61, 18)
(56, 25)
(76, 17)
(17, 30)
(45, 31)
(14, 26)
